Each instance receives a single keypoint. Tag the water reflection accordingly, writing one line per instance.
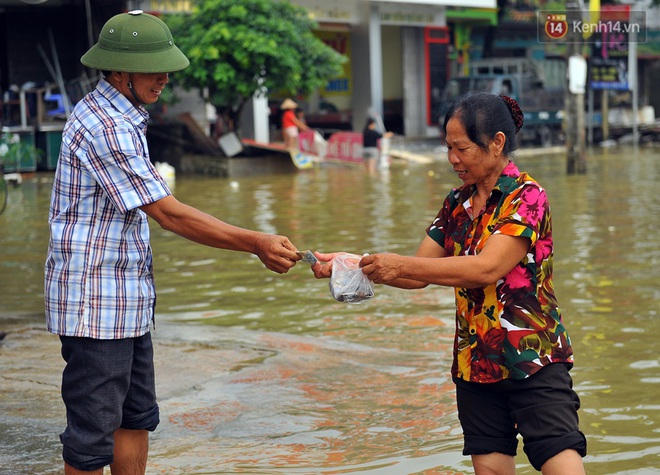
(310, 385)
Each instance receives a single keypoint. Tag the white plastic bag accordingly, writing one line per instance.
(320, 145)
(347, 282)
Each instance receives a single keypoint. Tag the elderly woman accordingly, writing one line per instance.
(492, 242)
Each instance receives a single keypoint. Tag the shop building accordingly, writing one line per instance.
(399, 58)
(400, 54)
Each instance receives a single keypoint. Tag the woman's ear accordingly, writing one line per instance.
(498, 143)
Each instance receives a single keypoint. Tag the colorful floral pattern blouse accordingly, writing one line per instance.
(512, 328)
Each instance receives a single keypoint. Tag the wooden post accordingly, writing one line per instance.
(574, 103)
(581, 154)
(605, 114)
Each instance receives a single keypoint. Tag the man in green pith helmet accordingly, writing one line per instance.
(99, 286)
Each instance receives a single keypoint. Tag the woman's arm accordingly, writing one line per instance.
(428, 248)
(300, 124)
(500, 254)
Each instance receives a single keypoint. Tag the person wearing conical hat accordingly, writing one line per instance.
(288, 104)
(99, 284)
(291, 124)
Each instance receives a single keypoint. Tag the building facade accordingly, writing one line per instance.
(400, 53)
(398, 58)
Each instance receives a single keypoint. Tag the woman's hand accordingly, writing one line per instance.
(323, 268)
(382, 268)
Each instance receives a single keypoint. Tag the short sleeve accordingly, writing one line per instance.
(438, 229)
(119, 162)
(524, 212)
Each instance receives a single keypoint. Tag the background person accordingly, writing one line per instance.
(99, 283)
(300, 115)
(492, 242)
(291, 124)
(371, 144)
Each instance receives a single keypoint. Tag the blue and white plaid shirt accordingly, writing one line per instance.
(99, 272)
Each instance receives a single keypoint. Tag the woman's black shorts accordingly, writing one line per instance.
(542, 408)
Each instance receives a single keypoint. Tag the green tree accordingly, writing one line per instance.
(239, 49)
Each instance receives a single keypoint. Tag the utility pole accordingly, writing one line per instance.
(632, 74)
(574, 102)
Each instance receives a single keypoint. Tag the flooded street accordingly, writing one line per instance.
(264, 374)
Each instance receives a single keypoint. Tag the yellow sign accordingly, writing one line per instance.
(340, 41)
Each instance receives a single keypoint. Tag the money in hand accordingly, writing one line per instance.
(308, 256)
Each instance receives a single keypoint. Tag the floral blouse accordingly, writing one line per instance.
(512, 328)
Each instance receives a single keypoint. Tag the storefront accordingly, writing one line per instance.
(398, 52)
(398, 60)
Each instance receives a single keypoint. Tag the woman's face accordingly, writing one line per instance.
(472, 164)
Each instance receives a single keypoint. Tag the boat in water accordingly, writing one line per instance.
(343, 148)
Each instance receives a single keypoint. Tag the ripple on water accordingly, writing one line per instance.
(314, 386)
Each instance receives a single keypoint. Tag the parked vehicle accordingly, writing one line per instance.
(538, 86)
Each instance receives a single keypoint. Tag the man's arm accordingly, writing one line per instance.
(276, 252)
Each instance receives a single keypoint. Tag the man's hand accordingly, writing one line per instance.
(276, 252)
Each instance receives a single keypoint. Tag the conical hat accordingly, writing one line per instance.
(288, 104)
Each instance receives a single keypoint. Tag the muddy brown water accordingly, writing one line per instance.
(266, 374)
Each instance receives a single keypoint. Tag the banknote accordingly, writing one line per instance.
(308, 256)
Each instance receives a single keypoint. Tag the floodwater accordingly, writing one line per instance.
(266, 374)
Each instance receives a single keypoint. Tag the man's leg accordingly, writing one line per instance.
(131, 450)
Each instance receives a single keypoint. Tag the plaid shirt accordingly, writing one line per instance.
(99, 274)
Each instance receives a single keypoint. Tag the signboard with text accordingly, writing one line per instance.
(609, 64)
(340, 41)
(609, 50)
(345, 147)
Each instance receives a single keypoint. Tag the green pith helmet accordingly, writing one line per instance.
(135, 42)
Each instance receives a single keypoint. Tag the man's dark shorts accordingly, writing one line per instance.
(106, 385)
(542, 408)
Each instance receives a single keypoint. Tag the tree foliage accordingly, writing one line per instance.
(239, 49)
